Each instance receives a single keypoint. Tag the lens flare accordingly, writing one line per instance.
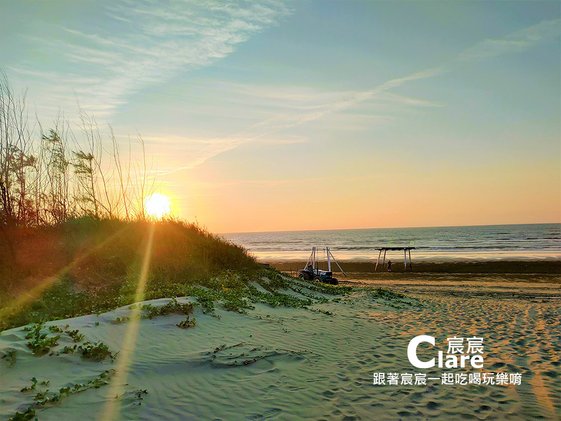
(112, 407)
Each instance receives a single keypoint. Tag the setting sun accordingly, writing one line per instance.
(157, 205)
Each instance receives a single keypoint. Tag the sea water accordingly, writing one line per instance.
(506, 242)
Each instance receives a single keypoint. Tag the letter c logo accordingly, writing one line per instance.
(412, 351)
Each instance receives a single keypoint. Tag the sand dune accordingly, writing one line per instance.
(294, 363)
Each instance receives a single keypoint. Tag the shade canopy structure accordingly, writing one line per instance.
(406, 252)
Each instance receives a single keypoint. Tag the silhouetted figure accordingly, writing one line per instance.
(389, 265)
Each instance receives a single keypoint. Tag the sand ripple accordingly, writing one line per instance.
(279, 363)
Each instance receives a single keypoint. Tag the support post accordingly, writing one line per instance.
(314, 259)
(337, 263)
(310, 259)
(384, 260)
(328, 259)
(410, 262)
(378, 260)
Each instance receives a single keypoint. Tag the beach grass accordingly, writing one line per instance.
(87, 266)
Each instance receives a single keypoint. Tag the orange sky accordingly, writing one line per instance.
(394, 196)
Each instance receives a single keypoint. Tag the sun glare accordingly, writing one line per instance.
(157, 205)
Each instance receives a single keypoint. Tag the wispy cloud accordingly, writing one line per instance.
(518, 41)
(513, 43)
(290, 107)
(333, 102)
(200, 150)
(154, 42)
(309, 105)
(410, 101)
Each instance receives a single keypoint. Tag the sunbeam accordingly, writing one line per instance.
(112, 407)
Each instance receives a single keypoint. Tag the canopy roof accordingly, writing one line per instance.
(395, 248)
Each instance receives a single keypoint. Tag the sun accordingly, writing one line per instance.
(157, 205)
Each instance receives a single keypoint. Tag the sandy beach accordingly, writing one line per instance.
(315, 362)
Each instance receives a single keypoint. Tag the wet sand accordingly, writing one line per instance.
(531, 279)
(551, 266)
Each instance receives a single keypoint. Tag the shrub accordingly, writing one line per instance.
(40, 343)
(171, 307)
(187, 323)
(95, 352)
(10, 357)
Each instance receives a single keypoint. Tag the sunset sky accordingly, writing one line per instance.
(271, 115)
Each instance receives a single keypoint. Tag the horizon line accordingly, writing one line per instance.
(373, 228)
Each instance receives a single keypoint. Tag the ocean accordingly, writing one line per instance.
(502, 242)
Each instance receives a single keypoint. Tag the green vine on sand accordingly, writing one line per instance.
(393, 298)
(40, 343)
(139, 396)
(46, 397)
(187, 323)
(95, 351)
(171, 307)
(10, 357)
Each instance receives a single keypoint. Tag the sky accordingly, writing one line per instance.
(288, 115)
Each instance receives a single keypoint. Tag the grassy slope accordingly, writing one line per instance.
(86, 266)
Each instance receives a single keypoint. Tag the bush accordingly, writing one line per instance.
(95, 352)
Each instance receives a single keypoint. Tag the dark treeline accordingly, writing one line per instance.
(48, 175)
